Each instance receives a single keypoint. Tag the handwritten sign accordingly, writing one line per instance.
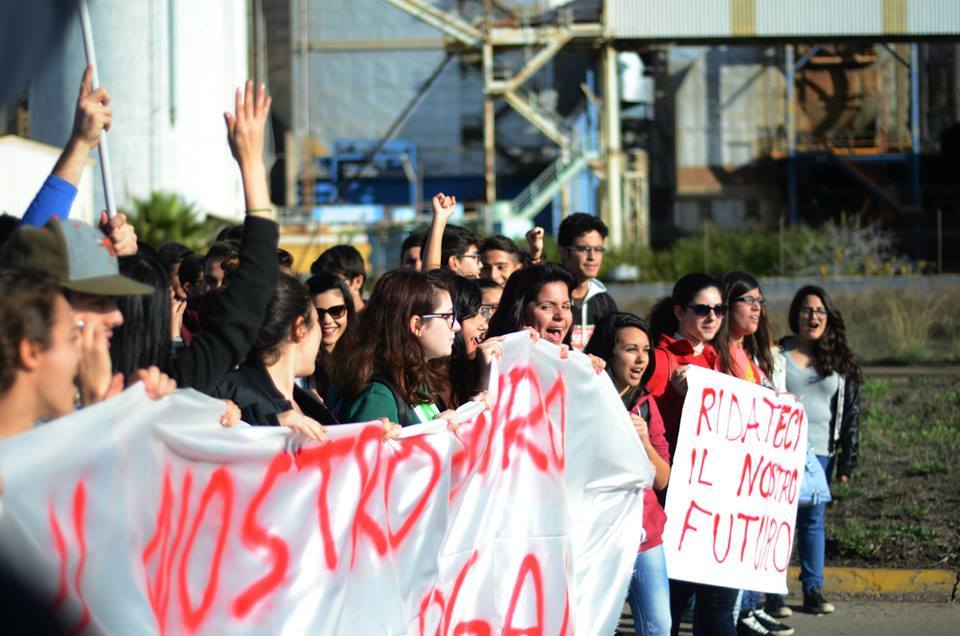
(732, 500)
(143, 517)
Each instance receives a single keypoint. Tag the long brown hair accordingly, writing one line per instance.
(733, 285)
(383, 341)
(830, 352)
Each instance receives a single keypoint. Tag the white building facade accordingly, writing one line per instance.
(171, 67)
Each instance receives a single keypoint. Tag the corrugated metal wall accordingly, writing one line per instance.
(358, 85)
(702, 19)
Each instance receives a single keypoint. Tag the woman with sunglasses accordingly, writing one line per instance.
(624, 342)
(743, 351)
(396, 367)
(683, 324)
(817, 366)
(335, 309)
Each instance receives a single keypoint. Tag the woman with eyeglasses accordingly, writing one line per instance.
(472, 351)
(743, 346)
(335, 309)
(396, 367)
(624, 342)
(683, 324)
(817, 366)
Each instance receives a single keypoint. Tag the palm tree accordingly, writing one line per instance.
(166, 216)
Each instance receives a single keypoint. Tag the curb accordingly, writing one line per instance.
(883, 581)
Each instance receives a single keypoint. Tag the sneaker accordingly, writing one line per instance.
(773, 625)
(750, 626)
(814, 602)
(774, 606)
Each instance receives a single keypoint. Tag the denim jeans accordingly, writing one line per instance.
(649, 594)
(712, 613)
(811, 539)
(749, 601)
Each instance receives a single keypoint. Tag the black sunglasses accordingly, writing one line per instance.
(336, 312)
(702, 310)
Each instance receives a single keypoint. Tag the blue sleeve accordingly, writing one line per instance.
(53, 200)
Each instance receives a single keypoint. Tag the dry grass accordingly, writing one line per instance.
(902, 327)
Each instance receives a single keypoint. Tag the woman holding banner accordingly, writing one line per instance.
(743, 351)
(683, 324)
(396, 367)
(264, 387)
(623, 341)
(818, 367)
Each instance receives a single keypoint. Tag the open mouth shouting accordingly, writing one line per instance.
(554, 334)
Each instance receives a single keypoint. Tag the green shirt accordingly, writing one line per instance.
(377, 400)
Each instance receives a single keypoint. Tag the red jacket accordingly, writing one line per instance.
(654, 517)
(670, 354)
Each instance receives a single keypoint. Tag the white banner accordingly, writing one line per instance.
(732, 501)
(141, 517)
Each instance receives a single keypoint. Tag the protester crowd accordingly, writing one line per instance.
(87, 311)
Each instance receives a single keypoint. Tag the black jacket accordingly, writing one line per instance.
(252, 389)
(234, 318)
(849, 437)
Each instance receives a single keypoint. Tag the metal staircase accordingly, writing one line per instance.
(547, 184)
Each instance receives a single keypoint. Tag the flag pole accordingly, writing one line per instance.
(105, 173)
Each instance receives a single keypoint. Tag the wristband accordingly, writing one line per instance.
(255, 210)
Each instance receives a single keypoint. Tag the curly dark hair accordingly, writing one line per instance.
(385, 343)
(26, 313)
(733, 285)
(830, 352)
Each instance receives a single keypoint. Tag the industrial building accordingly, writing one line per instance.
(657, 115)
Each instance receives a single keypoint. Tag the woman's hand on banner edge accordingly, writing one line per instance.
(599, 364)
(302, 424)
(231, 415)
(679, 379)
(157, 384)
(640, 426)
(391, 430)
(491, 349)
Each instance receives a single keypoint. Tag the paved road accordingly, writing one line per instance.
(881, 618)
(867, 618)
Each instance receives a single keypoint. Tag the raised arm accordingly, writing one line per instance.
(245, 132)
(443, 207)
(235, 316)
(91, 117)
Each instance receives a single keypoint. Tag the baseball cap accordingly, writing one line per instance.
(80, 257)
